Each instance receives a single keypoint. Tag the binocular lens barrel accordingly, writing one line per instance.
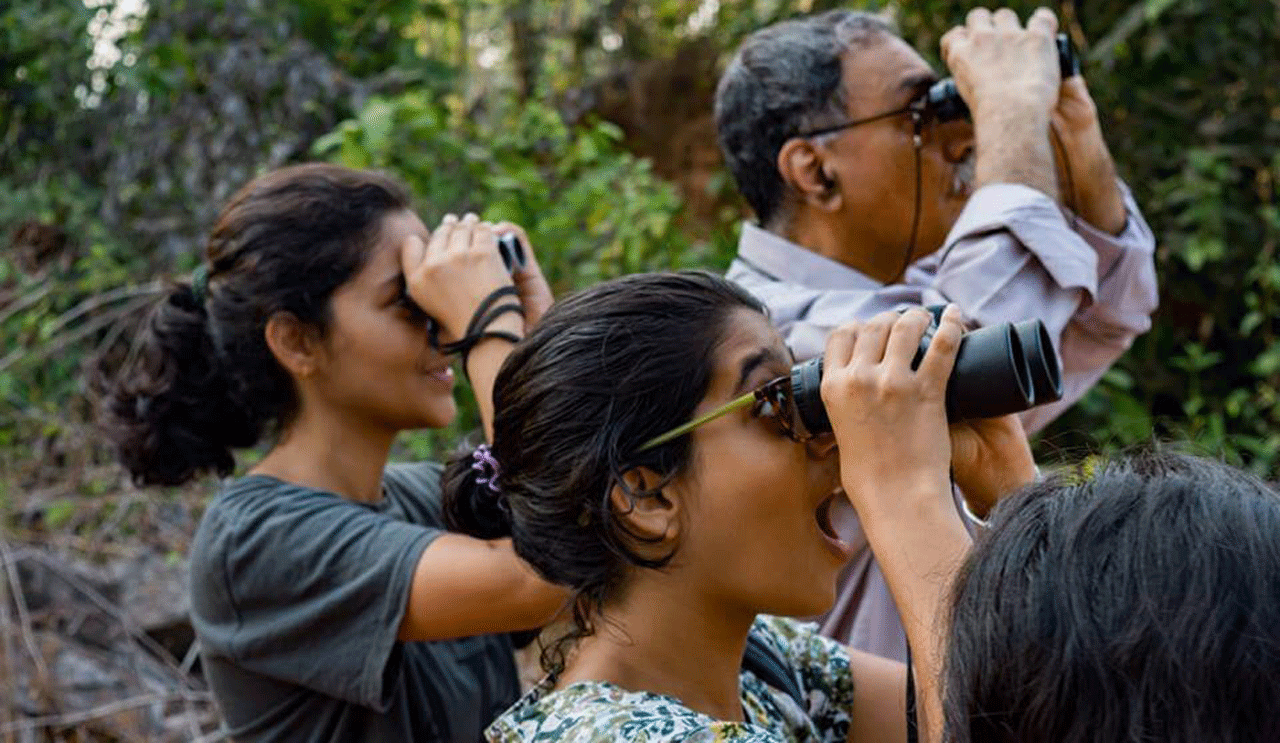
(999, 369)
(512, 251)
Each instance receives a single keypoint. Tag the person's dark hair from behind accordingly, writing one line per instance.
(605, 370)
(1136, 602)
(201, 380)
(784, 79)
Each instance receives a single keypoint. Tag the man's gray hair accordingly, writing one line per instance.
(783, 80)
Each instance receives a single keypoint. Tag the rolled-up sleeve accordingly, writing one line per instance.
(1014, 254)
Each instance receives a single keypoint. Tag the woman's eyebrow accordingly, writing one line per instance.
(755, 361)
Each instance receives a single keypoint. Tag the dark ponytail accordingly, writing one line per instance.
(201, 380)
(174, 415)
(472, 507)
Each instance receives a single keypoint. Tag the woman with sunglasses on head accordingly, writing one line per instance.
(327, 598)
(677, 539)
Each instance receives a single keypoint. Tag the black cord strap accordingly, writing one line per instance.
(477, 330)
(913, 724)
(480, 319)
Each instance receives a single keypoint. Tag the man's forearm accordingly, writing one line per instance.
(1013, 147)
(1088, 177)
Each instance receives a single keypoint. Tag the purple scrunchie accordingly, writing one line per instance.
(484, 463)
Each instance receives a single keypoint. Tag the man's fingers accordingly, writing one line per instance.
(1005, 19)
(1043, 20)
(936, 366)
(952, 39)
(978, 19)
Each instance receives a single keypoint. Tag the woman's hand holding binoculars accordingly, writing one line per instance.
(450, 276)
(480, 286)
(890, 421)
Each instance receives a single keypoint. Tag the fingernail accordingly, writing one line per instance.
(471, 217)
(449, 218)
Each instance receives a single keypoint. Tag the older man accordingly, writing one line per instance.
(865, 202)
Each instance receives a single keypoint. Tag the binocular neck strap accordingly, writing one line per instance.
(917, 142)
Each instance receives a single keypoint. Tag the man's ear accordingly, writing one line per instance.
(295, 344)
(803, 168)
(653, 519)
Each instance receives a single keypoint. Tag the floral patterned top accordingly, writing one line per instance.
(600, 711)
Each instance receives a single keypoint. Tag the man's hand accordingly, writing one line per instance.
(1008, 75)
(999, 64)
(990, 459)
(1086, 172)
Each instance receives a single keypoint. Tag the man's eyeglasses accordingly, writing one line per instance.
(772, 400)
(937, 104)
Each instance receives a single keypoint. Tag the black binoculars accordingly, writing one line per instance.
(943, 103)
(1000, 369)
(512, 251)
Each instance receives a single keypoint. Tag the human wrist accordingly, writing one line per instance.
(1015, 148)
(895, 503)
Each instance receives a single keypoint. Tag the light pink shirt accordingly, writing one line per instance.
(1012, 255)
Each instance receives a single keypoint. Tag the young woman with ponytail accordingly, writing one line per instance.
(327, 598)
(678, 538)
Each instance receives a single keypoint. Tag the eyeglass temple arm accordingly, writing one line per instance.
(728, 407)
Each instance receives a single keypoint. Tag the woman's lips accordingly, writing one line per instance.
(443, 375)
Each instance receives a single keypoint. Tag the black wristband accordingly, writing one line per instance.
(501, 335)
(485, 313)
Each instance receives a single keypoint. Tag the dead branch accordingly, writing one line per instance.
(131, 628)
(24, 617)
(23, 355)
(68, 719)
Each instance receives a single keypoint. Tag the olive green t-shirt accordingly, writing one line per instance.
(296, 597)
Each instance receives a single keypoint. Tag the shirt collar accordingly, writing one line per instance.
(795, 264)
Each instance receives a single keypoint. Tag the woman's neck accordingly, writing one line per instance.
(661, 639)
(334, 455)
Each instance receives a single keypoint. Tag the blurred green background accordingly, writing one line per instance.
(124, 124)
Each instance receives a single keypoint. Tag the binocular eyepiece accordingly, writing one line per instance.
(943, 102)
(999, 369)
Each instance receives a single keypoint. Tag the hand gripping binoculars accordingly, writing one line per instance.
(1000, 369)
(943, 103)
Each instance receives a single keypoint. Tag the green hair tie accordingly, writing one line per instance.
(200, 282)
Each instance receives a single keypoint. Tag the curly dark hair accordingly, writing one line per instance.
(603, 371)
(201, 380)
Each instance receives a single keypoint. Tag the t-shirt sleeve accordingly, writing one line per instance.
(822, 668)
(310, 589)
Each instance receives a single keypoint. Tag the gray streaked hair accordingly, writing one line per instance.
(784, 79)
